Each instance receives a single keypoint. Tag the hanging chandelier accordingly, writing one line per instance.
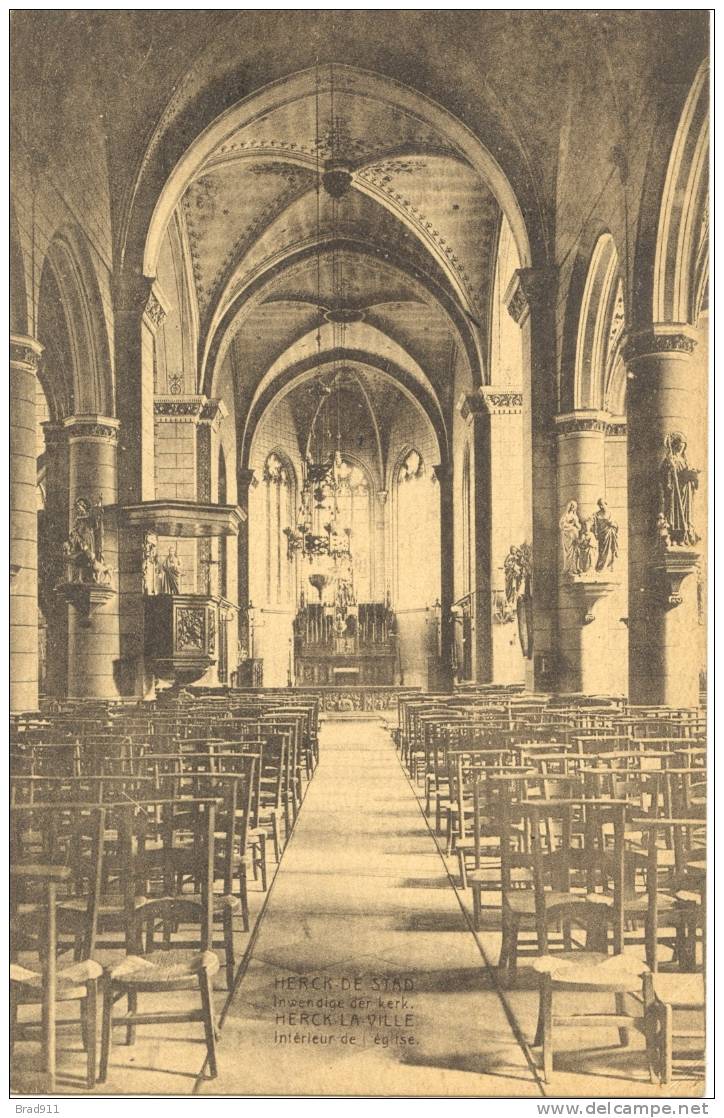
(316, 533)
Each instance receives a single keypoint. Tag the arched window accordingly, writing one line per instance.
(354, 512)
(417, 573)
(278, 478)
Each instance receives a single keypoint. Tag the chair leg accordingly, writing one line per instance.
(209, 1026)
(106, 1031)
(546, 1015)
(476, 906)
(48, 1034)
(91, 1025)
(623, 1033)
(463, 868)
(244, 897)
(276, 837)
(132, 1008)
(651, 1030)
(13, 1015)
(513, 956)
(667, 1045)
(262, 860)
(229, 950)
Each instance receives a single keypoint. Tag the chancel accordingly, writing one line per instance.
(358, 449)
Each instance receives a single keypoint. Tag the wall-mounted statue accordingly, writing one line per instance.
(585, 546)
(677, 484)
(605, 531)
(150, 563)
(171, 572)
(570, 529)
(83, 550)
(518, 567)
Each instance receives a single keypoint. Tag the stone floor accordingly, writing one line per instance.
(364, 930)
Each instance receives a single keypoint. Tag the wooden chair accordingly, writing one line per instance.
(171, 968)
(75, 982)
(586, 971)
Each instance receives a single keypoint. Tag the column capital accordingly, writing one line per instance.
(25, 352)
(174, 409)
(442, 472)
(246, 479)
(96, 428)
(501, 401)
(490, 400)
(582, 419)
(591, 420)
(213, 412)
(677, 339)
(56, 436)
(528, 288)
(155, 310)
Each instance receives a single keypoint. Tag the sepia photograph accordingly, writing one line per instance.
(358, 528)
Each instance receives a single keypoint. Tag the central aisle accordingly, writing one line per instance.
(362, 901)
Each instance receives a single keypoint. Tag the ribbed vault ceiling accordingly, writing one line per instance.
(407, 247)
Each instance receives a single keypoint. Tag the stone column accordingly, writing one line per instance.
(211, 416)
(666, 390)
(94, 642)
(531, 301)
(51, 567)
(382, 581)
(139, 314)
(25, 356)
(443, 474)
(245, 479)
(499, 522)
(592, 638)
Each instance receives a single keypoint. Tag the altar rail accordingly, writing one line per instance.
(346, 699)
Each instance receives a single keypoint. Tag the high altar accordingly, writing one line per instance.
(356, 645)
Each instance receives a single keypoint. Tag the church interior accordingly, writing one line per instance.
(358, 551)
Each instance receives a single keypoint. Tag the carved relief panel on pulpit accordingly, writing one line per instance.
(180, 635)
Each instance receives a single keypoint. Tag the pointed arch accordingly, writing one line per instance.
(89, 382)
(597, 332)
(679, 261)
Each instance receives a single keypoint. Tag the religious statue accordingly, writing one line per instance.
(83, 549)
(606, 532)
(570, 528)
(150, 563)
(171, 572)
(662, 530)
(585, 546)
(677, 485)
(514, 575)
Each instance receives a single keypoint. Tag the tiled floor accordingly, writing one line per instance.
(364, 913)
(363, 898)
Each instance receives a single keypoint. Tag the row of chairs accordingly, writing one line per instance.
(136, 831)
(585, 822)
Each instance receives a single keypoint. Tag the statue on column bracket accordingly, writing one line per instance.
(585, 546)
(605, 532)
(150, 562)
(570, 529)
(83, 550)
(677, 484)
(171, 572)
(518, 568)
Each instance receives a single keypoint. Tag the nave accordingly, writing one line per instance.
(366, 904)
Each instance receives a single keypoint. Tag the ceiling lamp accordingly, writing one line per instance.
(337, 177)
(316, 532)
